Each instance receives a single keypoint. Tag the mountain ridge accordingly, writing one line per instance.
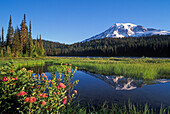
(122, 30)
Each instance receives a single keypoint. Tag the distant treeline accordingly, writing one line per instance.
(152, 46)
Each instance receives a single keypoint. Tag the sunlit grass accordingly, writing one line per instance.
(145, 68)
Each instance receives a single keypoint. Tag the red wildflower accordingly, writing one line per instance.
(26, 99)
(70, 64)
(62, 85)
(18, 94)
(58, 87)
(4, 79)
(33, 98)
(30, 71)
(43, 102)
(66, 64)
(49, 81)
(75, 91)
(55, 93)
(64, 101)
(59, 79)
(44, 95)
(69, 71)
(16, 78)
(21, 93)
(40, 95)
(30, 99)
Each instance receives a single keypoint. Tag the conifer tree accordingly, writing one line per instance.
(1, 52)
(21, 37)
(24, 36)
(40, 41)
(35, 49)
(8, 51)
(10, 33)
(41, 50)
(24, 19)
(16, 43)
(2, 41)
(30, 42)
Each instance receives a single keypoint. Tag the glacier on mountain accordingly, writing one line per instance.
(121, 30)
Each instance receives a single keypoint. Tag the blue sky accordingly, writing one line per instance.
(70, 21)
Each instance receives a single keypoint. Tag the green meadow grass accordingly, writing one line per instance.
(145, 68)
(115, 109)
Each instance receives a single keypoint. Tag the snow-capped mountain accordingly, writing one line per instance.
(121, 30)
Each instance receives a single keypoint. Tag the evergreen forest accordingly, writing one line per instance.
(19, 42)
(151, 46)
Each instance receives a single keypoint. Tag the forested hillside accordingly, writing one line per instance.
(153, 46)
(19, 41)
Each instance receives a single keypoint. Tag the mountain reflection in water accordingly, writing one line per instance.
(125, 83)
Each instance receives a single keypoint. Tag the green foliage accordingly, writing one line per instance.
(22, 93)
(19, 43)
(8, 52)
(16, 43)
(143, 68)
(1, 52)
(10, 33)
(152, 46)
(115, 109)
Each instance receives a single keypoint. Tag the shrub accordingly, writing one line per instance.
(24, 93)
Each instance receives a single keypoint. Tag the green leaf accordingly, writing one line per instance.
(3, 73)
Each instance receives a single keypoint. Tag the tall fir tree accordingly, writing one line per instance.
(10, 33)
(24, 19)
(30, 42)
(23, 36)
(35, 49)
(2, 41)
(40, 41)
(16, 43)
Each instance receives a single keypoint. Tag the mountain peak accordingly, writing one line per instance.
(124, 24)
(121, 30)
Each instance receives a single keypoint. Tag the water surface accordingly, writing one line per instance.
(97, 89)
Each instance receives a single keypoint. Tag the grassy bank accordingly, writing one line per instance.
(115, 109)
(145, 68)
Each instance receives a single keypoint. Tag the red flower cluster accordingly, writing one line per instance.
(64, 101)
(14, 78)
(44, 95)
(30, 99)
(43, 102)
(21, 93)
(75, 91)
(61, 85)
(30, 71)
(4, 79)
(56, 93)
